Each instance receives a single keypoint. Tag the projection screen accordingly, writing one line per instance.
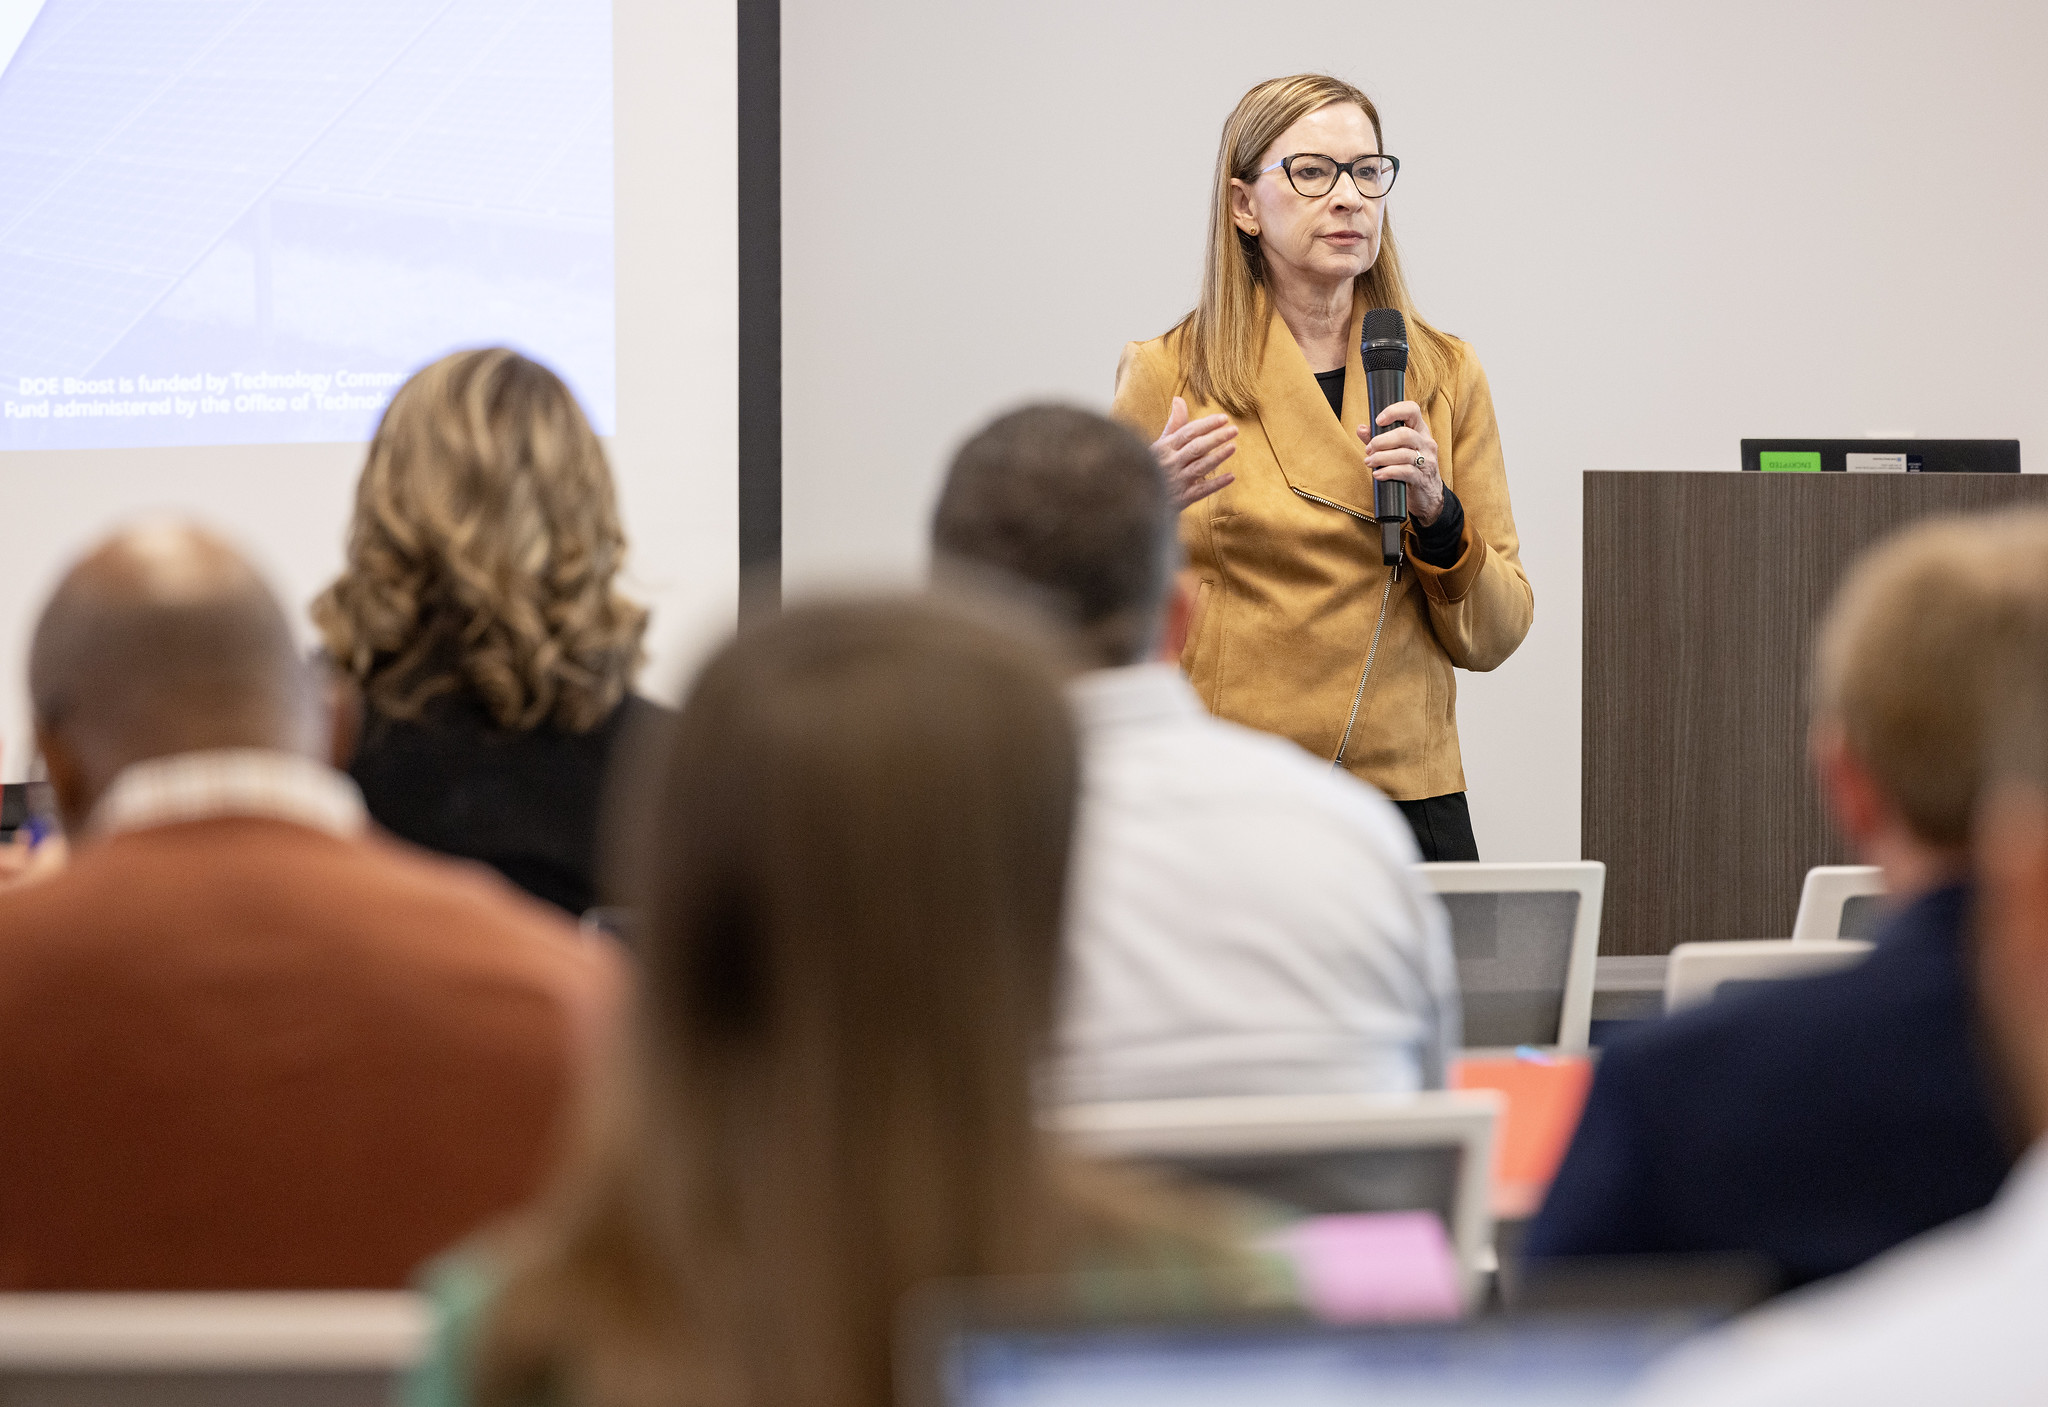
(229, 228)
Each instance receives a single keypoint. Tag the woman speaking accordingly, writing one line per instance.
(1298, 627)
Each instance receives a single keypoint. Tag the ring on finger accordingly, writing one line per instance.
(1418, 464)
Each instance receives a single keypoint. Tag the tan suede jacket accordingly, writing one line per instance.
(1290, 576)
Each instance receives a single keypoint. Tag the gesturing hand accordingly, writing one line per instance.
(1189, 452)
(1403, 449)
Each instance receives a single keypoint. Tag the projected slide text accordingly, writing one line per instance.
(248, 223)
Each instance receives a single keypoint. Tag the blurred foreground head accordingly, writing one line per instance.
(162, 640)
(1071, 506)
(483, 551)
(850, 865)
(1907, 684)
(2012, 872)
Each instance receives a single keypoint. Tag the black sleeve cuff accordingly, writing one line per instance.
(1441, 542)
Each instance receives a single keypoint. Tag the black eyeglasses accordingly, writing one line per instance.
(1314, 175)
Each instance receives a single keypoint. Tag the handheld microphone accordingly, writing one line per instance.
(1384, 347)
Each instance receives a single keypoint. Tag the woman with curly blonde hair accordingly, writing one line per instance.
(478, 617)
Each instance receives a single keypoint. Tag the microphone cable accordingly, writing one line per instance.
(1358, 695)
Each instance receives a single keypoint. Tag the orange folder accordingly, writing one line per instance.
(1544, 1095)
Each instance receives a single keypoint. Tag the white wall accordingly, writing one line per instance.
(677, 441)
(1662, 227)
(676, 453)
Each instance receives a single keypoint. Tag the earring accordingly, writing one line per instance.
(1253, 231)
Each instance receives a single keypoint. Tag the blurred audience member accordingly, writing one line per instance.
(851, 865)
(24, 857)
(1956, 1315)
(242, 1043)
(34, 846)
(1820, 1122)
(17, 860)
(478, 615)
(1244, 922)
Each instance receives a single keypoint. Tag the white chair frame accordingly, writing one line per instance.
(1826, 890)
(1697, 970)
(1587, 877)
(1167, 1129)
(262, 1335)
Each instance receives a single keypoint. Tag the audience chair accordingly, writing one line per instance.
(1321, 1154)
(1699, 971)
(1526, 938)
(329, 1349)
(1839, 901)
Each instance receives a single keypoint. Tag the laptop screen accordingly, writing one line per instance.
(1513, 1362)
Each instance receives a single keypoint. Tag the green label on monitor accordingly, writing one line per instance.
(1788, 461)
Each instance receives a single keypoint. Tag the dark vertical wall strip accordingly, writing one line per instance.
(760, 349)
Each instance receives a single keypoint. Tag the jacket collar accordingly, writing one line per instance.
(1932, 923)
(1320, 456)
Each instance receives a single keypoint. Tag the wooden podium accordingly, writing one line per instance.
(1703, 592)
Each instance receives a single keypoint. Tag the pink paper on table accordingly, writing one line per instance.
(1374, 1267)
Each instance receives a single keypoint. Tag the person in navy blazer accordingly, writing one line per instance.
(1819, 1122)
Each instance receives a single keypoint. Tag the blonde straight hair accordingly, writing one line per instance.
(1224, 339)
(1911, 662)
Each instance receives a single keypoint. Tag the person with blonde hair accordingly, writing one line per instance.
(479, 617)
(1300, 628)
(1954, 1315)
(1817, 1123)
(850, 859)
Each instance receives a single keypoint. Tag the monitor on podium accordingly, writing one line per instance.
(1882, 456)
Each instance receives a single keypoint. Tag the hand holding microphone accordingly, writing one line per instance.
(1398, 446)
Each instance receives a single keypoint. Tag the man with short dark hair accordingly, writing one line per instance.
(1244, 921)
(245, 1044)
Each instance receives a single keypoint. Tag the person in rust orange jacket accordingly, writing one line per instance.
(245, 1041)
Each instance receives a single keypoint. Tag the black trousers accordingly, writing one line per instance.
(1442, 826)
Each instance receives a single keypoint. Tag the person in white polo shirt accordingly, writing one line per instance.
(1243, 920)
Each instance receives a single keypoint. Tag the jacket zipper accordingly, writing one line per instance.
(1329, 503)
(1358, 695)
